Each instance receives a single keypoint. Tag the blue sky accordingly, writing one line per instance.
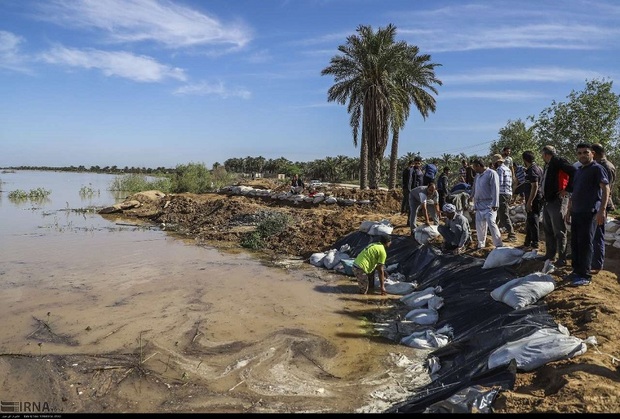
(159, 83)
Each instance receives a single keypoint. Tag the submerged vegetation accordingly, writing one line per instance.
(88, 191)
(33, 194)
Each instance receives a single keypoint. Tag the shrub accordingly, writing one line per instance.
(137, 183)
(192, 177)
(272, 223)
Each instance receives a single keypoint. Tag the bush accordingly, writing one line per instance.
(137, 183)
(272, 223)
(193, 177)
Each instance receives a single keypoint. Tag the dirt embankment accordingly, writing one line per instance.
(588, 383)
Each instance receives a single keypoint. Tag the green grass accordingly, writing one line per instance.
(134, 183)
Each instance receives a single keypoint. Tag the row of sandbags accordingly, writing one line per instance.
(316, 198)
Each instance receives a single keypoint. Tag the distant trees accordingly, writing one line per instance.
(590, 115)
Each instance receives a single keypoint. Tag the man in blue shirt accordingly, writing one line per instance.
(586, 212)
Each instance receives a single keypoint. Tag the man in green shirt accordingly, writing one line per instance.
(372, 259)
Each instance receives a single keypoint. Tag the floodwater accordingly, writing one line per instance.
(219, 331)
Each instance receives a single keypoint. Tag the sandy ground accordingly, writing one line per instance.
(282, 354)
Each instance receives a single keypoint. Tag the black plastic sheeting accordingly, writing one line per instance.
(480, 324)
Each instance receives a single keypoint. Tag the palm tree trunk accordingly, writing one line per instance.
(393, 160)
(364, 161)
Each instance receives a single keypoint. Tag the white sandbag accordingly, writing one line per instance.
(435, 302)
(518, 218)
(609, 236)
(423, 316)
(381, 230)
(543, 346)
(425, 339)
(611, 226)
(330, 200)
(530, 255)
(397, 287)
(366, 225)
(616, 244)
(523, 291)
(316, 259)
(332, 258)
(424, 233)
(420, 298)
(503, 256)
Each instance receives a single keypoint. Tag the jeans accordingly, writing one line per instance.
(413, 214)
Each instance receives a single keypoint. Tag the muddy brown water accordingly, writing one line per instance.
(102, 316)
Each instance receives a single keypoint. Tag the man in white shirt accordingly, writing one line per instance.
(427, 198)
(486, 203)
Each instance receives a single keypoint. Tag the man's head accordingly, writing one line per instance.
(295, 176)
(446, 170)
(464, 163)
(548, 152)
(528, 158)
(385, 239)
(584, 153)
(497, 160)
(478, 165)
(417, 161)
(599, 151)
(410, 163)
(449, 210)
(506, 151)
(431, 187)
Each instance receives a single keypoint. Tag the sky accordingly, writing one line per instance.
(159, 83)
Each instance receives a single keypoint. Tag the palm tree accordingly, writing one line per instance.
(416, 76)
(379, 78)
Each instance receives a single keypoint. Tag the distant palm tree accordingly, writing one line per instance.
(379, 78)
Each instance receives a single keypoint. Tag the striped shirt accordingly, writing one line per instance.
(505, 180)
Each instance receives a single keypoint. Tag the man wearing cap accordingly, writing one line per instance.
(456, 232)
(505, 195)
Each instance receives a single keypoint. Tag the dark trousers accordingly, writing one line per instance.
(404, 205)
(504, 214)
(555, 230)
(442, 198)
(598, 255)
(583, 227)
(532, 225)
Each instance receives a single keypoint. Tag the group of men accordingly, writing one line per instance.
(561, 193)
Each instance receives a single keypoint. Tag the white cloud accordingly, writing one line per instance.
(119, 64)
(501, 25)
(217, 89)
(10, 57)
(535, 74)
(160, 21)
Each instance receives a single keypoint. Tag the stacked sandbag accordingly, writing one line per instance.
(313, 199)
